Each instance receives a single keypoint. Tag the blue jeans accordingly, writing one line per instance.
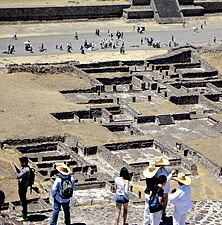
(56, 209)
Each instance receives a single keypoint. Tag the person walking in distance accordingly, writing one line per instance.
(181, 199)
(122, 194)
(149, 172)
(161, 162)
(22, 175)
(62, 191)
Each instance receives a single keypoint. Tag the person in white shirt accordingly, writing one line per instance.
(181, 199)
(161, 162)
(122, 194)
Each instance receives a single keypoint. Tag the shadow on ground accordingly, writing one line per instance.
(169, 221)
(78, 224)
(36, 218)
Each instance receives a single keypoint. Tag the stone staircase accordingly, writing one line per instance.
(165, 120)
(167, 11)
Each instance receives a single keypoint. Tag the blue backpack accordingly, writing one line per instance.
(154, 204)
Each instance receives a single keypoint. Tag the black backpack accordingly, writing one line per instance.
(154, 204)
(31, 178)
(66, 190)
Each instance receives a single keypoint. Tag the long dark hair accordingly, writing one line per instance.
(125, 174)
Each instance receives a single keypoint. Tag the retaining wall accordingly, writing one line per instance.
(211, 6)
(62, 12)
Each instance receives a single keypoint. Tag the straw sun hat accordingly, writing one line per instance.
(161, 161)
(182, 178)
(150, 171)
(63, 169)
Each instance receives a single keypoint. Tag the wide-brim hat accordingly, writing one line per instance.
(161, 161)
(150, 171)
(63, 169)
(182, 178)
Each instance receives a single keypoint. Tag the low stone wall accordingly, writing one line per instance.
(192, 11)
(185, 2)
(146, 119)
(183, 100)
(41, 68)
(62, 12)
(215, 169)
(140, 2)
(176, 56)
(130, 145)
(16, 142)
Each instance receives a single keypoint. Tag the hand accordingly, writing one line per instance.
(12, 163)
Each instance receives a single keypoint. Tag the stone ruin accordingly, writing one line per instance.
(152, 107)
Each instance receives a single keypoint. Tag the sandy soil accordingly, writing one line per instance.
(214, 59)
(11, 3)
(211, 148)
(86, 58)
(156, 107)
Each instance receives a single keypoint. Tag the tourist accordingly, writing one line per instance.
(76, 36)
(12, 49)
(156, 214)
(62, 191)
(161, 162)
(9, 49)
(15, 36)
(122, 194)
(149, 172)
(82, 49)
(181, 199)
(42, 48)
(23, 180)
(214, 39)
(2, 199)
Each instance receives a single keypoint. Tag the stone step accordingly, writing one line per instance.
(167, 11)
(165, 120)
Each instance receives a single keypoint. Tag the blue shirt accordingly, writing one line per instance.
(56, 187)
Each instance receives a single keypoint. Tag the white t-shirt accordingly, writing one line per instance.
(122, 187)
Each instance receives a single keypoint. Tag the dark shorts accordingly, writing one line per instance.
(121, 199)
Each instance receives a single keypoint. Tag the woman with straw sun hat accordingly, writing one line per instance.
(161, 162)
(180, 197)
(149, 172)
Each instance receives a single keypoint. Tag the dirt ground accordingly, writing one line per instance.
(86, 58)
(214, 59)
(11, 3)
(156, 107)
(208, 147)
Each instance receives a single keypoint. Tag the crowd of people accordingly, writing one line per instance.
(157, 192)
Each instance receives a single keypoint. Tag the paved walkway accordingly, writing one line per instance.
(132, 39)
(203, 212)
